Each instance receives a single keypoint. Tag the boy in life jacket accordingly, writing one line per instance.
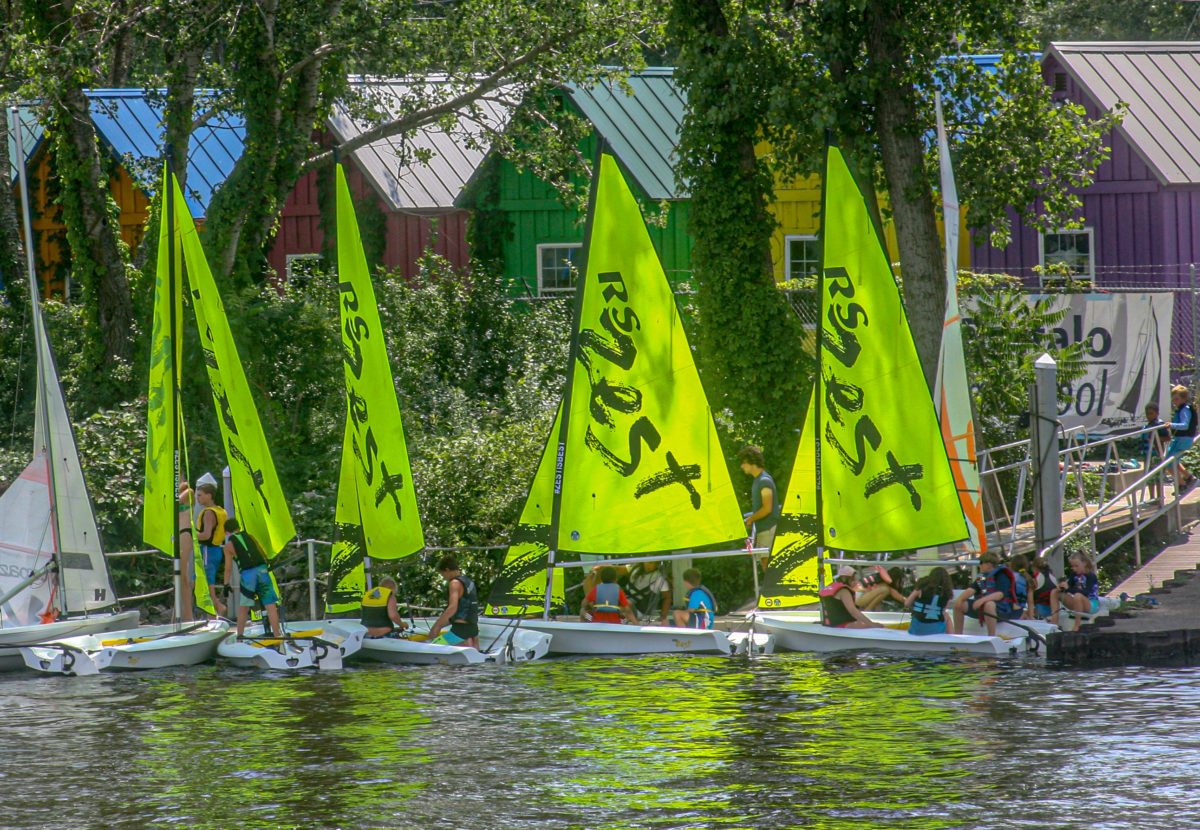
(255, 579)
(210, 533)
(701, 610)
(380, 614)
(993, 597)
(462, 609)
(606, 602)
(1184, 426)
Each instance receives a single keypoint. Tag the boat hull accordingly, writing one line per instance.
(614, 638)
(28, 635)
(505, 643)
(308, 644)
(133, 649)
(795, 635)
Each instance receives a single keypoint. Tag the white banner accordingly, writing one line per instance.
(1127, 347)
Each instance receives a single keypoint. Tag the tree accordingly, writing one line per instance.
(864, 72)
(1076, 20)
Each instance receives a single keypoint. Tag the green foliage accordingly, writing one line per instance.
(1115, 20)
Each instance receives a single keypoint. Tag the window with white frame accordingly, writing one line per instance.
(299, 267)
(1074, 249)
(803, 257)
(556, 267)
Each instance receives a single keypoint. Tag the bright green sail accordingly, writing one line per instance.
(520, 587)
(262, 509)
(643, 469)
(374, 448)
(885, 480)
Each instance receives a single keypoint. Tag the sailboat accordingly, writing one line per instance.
(54, 580)
(377, 512)
(632, 468)
(872, 471)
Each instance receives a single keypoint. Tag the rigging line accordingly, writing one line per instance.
(12, 439)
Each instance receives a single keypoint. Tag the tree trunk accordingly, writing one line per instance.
(93, 230)
(922, 268)
(12, 250)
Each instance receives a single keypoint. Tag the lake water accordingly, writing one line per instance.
(654, 742)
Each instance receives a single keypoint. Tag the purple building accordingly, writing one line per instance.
(1141, 217)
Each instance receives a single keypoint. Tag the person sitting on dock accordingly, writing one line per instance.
(992, 598)
(1043, 584)
(838, 609)
(380, 614)
(1079, 592)
(607, 603)
(930, 603)
(701, 610)
(256, 583)
(462, 608)
(1184, 424)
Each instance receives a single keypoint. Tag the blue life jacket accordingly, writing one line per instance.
(705, 618)
(608, 598)
(928, 611)
(987, 584)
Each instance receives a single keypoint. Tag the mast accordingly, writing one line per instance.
(173, 328)
(572, 358)
(820, 342)
(38, 333)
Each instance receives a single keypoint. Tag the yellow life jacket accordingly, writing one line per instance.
(218, 535)
(375, 608)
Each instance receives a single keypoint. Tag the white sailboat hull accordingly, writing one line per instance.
(615, 638)
(146, 647)
(794, 634)
(308, 644)
(29, 635)
(504, 643)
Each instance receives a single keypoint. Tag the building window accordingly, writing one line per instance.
(299, 267)
(1073, 249)
(802, 257)
(556, 268)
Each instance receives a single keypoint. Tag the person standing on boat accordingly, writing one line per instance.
(210, 533)
(380, 614)
(607, 603)
(838, 609)
(701, 610)
(992, 598)
(1184, 424)
(462, 609)
(255, 578)
(766, 507)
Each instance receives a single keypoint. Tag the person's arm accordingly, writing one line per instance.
(768, 504)
(1185, 419)
(848, 601)
(394, 612)
(207, 525)
(911, 598)
(456, 590)
(589, 602)
(627, 609)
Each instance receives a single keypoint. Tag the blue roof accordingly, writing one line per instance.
(130, 121)
(31, 136)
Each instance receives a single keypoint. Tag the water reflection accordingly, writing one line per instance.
(658, 742)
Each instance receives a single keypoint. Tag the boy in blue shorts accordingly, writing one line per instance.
(255, 576)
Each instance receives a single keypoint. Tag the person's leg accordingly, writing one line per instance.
(272, 616)
(960, 610)
(681, 618)
(1055, 602)
(988, 610)
(243, 612)
(872, 598)
(1078, 603)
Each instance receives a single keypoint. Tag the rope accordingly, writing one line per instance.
(148, 596)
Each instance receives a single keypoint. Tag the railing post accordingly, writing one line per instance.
(312, 579)
(1043, 437)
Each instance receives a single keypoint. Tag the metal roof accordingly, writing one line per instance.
(31, 136)
(642, 128)
(1160, 83)
(428, 168)
(131, 122)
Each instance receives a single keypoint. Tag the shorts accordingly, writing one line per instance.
(256, 582)
(764, 539)
(448, 638)
(1179, 445)
(921, 628)
(1043, 611)
(1008, 611)
(214, 557)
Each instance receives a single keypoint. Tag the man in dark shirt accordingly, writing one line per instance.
(765, 503)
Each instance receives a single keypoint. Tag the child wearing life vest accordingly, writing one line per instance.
(1042, 585)
(838, 609)
(1080, 591)
(1184, 425)
(254, 576)
(607, 603)
(992, 598)
(930, 603)
(701, 610)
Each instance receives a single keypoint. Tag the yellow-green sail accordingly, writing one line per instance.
(885, 480)
(258, 497)
(643, 469)
(520, 587)
(347, 577)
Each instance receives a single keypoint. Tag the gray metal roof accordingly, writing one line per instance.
(427, 169)
(642, 128)
(1160, 83)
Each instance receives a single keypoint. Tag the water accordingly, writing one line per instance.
(654, 742)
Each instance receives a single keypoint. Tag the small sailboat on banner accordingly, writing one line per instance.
(632, 467)
(377, 503)
(872, 471)
(54, 580)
